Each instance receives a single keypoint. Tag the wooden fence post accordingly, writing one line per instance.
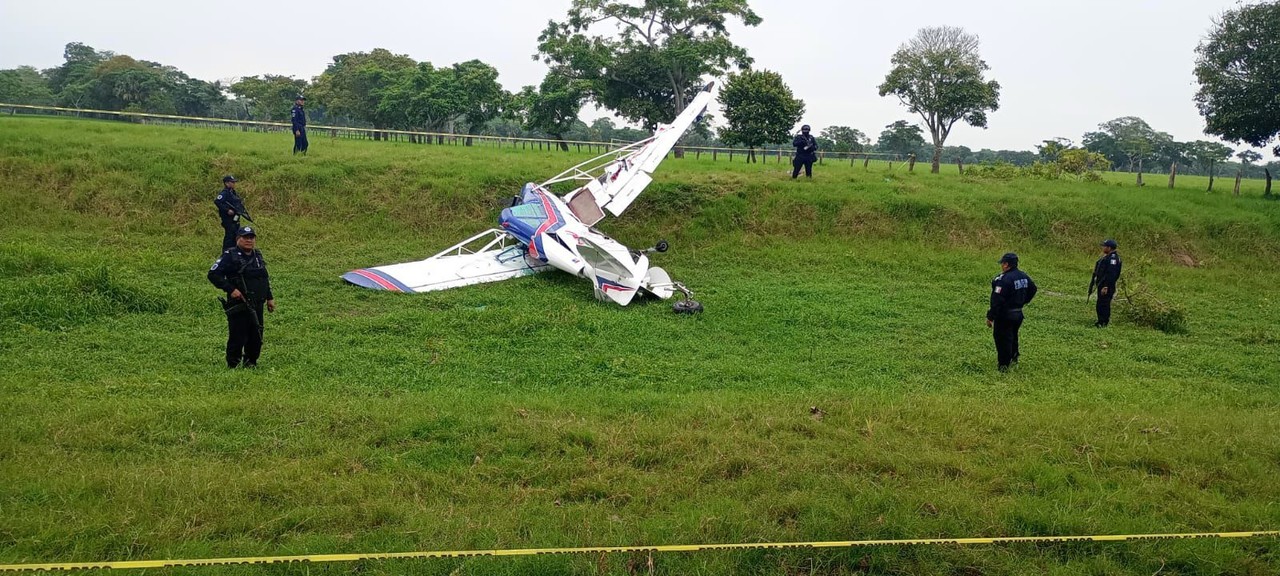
(1239, 173)
(960, 166)
(1173, 173)
(911, 163)
(1267, 194)
(866, 161)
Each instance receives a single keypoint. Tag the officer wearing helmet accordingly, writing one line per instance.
(241, 272)
(1106, 272)
(1010, 291)
(806, 153)
(230, 210)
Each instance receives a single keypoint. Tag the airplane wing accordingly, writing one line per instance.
(612, 181)
(489, 256)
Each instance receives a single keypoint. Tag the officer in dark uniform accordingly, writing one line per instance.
(1106, 272)
(1010, 291)
(230, 210)
(241, 272)
(299, 119)
(806, 153)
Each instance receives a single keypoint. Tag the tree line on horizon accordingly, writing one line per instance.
(646, 74)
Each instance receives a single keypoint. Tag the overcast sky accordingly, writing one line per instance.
(1064, 67)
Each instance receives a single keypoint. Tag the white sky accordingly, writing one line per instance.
(1064, 67)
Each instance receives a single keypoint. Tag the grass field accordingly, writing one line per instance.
(525, 414)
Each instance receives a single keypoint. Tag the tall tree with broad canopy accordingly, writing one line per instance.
(901, 137)
(655, 63)
(1207, 154)
(759, 109)
(483, 97)
(938, 74)
(553, 106)
(1128, 140)
(24, 85)
(1238, 68)
(71, 82)
(352, 85)
(268, 97)
(843, 138)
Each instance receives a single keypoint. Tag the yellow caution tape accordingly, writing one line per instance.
(316, 558)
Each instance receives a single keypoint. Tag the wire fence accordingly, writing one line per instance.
(774, 154)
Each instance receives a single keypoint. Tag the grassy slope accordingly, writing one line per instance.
(526, 414)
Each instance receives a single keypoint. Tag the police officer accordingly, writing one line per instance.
(299, 119)
(806, 153)
(230, 210)
(1106, 272)
(1010, 291)
(241, 272)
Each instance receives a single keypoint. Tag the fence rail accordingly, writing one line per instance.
(763, 155)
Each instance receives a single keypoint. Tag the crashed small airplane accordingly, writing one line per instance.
(542, 230)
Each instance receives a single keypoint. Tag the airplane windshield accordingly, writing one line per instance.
(532, 212)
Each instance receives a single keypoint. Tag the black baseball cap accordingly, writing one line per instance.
(246, 231)
(299, 97)
(805, 127)
(1009, 257)
(229, 178)
(1109, 243)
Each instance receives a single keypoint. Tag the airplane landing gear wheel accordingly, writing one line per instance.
(687, 306)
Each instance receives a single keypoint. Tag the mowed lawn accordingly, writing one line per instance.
(840, 385)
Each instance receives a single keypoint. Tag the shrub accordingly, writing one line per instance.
(1143, 308)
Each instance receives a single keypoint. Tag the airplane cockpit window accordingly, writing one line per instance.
(529, 212)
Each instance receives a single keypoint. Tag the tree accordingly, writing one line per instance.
(122, 83)
(24, 85)
(483, 98)
(354, 83)
(1132, 136)
(1238, 68)
(655, 64)
(1248, 157)
(553, 107)
(759, 109)
(1207, 154)
(70, 82)
(843, 139)
(268, 97)
(938, 74)
(1050, 149)
(901, 138)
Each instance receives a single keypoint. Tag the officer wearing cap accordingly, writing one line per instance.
(230, 210)
(1010, 291)
(1106, 272)
(806, 153)
(299, 119)
(241, 272)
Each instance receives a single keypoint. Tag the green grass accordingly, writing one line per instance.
(525, 414)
